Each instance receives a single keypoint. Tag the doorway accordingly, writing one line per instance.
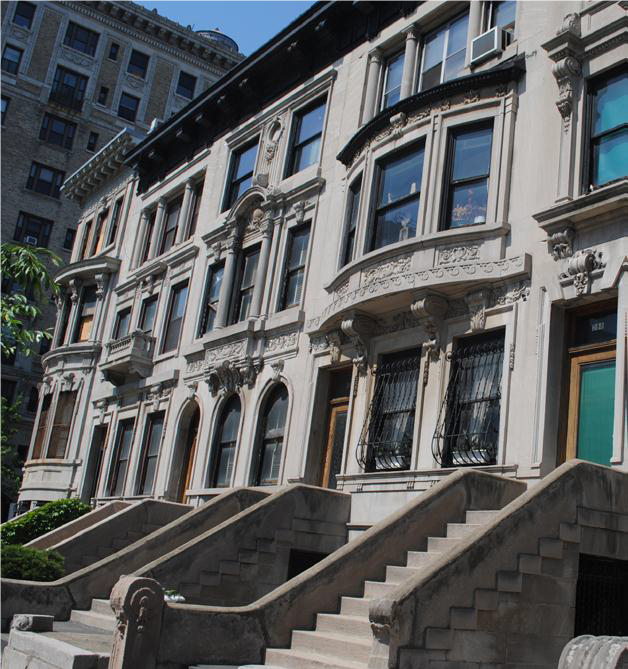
(188, 436)
(337, 422)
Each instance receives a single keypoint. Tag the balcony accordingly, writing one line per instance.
(128, 357)
(68, 98)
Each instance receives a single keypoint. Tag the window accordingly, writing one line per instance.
(57, 131)
(468, 429)
(186, 85)
(115, 221)
(99, 231)
(63, 326)
(114, 49)
(147, 316)
(87, 309)
(175, 317)
(306, 137)
(68, 89)
(33, 400)
(148, 236)
(32, 230)
(225, 444)
(5, 108)
(444, 53)
(85, 240)
(45, 180)
(70, 236)
(60, 430)
(103, 94)
(120, 461)
(128, 107)
(212, 298)
(138, 64)
(40, 434)
(246, 284)
(92, 141)
(196, 206)
(386, 439)
(398, 198)
(271, 437)
(171, 224)
(609, 128)
(298, 239)
(240, 173)
(150, 453)
(468, 168)
(24, 14)
(353, 207)
(11, 58)
(123, 320)
(81, 39)
(391, 90)
(502, 15)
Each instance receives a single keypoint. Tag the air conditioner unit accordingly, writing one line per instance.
(30, 240)
(489, 43)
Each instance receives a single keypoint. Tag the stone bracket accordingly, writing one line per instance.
(359, 328)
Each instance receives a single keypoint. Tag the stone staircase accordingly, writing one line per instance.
(344, 640)
(99, 616)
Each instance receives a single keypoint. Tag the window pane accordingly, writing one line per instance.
(392, 89)
(396, 224)
(148, 315)
(246, 161)
(271, 460)
(307, 155)
(434, 46)
(294, 288)
(611, 108)
(454, 66)
(298, 248)
(24, 13)
(458, 35)
(122, 327)
(311, 123)
(472, 153)
(154, 428)
(250, 266)
(400, 178)
(177, 307)
(468, 205)
(610, 157)
(504, 13)
(224, 467)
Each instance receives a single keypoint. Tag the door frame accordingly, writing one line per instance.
(336, 406)
(579, 357)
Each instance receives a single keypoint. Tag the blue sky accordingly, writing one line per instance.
(249, 23)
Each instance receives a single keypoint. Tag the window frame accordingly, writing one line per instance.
(14, 63)
(119, 321)
(69, 131)
(219, 446)
(193, 89)
(114, 48)
(24, 218)
(138, 68)
(28, 19)
(141, 323)
(71, 97)
(116, 461)
(394, 56)
(83, 318)
(233, 184)
(289, 272)
(5, 103)
(34, 178)
(490, 22)
(91, 41)
(207, 305)
(168, 323)
(70, 233)
(125, 95)
(239, 292)
(276, 436)
(169, 234)
(352, 220)
(294, 146)
(195, 207)
(42, 427)
(146, 457)
(114, 221)
(91, 145)
(66, 402)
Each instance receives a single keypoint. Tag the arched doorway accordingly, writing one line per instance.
(185, 451)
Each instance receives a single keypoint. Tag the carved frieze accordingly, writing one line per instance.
(281, 342)
(450, 255)
(510, 293)
(232, 349)
(77, 58)
(397, 265)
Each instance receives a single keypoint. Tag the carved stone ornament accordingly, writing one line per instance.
(74, 290)
(397, 123)
(101, 408)
(561, 244)
(191, 389)
(229, 376)
(299, 210)
(478, 301)
(277, 367)
(580, 266)
(32, 622)
(455, 254)
(334, 342)
(76, 58)
(430, 310)
(101, 280)
(68, 380)
(470, 96)
(273, 134)
(155, 394)
(213, 252)
(137, 604)
(148, 283)
(570, 24)
(566, 72)
(359, 328)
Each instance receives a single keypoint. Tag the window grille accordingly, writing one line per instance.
(386, 439)
(468, 426)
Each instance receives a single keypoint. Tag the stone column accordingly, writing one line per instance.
(262, 266)
(409, 60)
(184, 214)
(375, 64)
(61, 317)
(75, 289)
(475, 26)
(226, 290)
(141, 239)
(158, 229)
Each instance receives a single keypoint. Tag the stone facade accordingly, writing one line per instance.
(217, 355)
(47, 36)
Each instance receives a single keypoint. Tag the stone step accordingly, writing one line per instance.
(552, 548)
(509, 581)
(459, 530)
(440, 544)
(209, 578)
(463, 618)
(103, 551)
(358, 627)
(89, 559)
(103, 622)
(420, 559)
(332, 645)
(481, 517)
(354, 606)
(102, 606)
(400, 574)
(290, 659)
(486, 600)
(134, 536)
(376, 589)
(147, 528)
(529, 564)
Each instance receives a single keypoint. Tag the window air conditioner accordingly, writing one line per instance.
(489, 43)
(28, 239)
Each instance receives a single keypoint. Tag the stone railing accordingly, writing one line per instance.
(135, 343)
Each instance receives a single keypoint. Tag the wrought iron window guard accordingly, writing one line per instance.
(468, 426)
(386, 438)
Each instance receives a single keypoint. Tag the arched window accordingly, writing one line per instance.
(270, 438)
(225, 444)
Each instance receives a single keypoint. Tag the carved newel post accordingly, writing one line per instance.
(138, 605)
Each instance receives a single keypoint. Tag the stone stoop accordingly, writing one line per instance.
(99, 616)
(343, 640)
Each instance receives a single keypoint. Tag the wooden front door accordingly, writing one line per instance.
(337, 428)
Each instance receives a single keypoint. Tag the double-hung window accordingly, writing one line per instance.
(444, 53)
(298, 239)
(147, 315)
(391, 90)
(81, 39)
(196, 207)
(68, 88)
(609, 128)
(123, 320)
(115, 221)
(225, 444)
(128, 106)
(148, 235)
(186, 85)
(398, 198)
(24, 14)
(171, 224)
(240, 173)
(138, 64)
(245, 285)
(11, 57)
(150, 453)
(42, 426)
(271, 438)
(60, 430)
(467, 174)
(99, 231)
(353, 207)
(212, 298)
(121, 456)
(45, 180)
(174, 322)
(87, 311)
(87, 231)
(57, 131)
(70, 236)
(32, 230)
(307, 133)
(502, 15)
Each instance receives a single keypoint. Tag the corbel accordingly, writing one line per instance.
(478, 302)
(359, 328)
(430, 310)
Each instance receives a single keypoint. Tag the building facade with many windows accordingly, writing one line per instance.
(400, 252)
(73, 75)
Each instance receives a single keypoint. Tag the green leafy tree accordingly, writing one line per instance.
(27, 284)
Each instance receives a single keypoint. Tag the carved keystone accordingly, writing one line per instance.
(138, 605)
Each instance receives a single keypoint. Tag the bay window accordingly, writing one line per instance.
(87, 311)
(60, 430)
(353, 207)
(444, 53)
